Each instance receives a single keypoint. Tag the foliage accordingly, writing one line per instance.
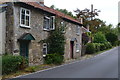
(63, 11)
(54, 58)
(56, 41)
(99, 38)
(102, 47)
(97, 47)
(105, 29)
(117, 43)
(90, 48)
(30, 69)
(108, 45)
(111, 37)
(13, 63)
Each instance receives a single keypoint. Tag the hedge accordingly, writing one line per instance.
(96, 47)
(13, 63)
(54, 58)
(90, 48)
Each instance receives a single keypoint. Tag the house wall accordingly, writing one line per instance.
(36, 24)
(2, 32)
(14, 32)
(70, 34)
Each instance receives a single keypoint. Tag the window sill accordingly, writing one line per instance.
(78, 34)
(44, 55)
(48, 30)
(77, 51)
(25, 27)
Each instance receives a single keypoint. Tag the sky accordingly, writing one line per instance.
(109, 8)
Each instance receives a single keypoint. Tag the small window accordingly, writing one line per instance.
(78, 30)
(49, 23)
(44, 49)
(24, 17)
(77, 47)
(62, 26)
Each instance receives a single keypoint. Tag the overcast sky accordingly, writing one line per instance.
(109, 8)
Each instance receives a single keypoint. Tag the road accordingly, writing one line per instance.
(104, 65)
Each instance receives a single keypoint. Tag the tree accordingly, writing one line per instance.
(111, 37)
(99, 38)
(65, 11)
(89, 18)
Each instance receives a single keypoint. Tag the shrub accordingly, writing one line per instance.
(13, 63)
(54, 59)
(117, 43)
(108, 45)
(111, 37)
(90, 48)
(99, 38)
(97, 47)
(102, 47)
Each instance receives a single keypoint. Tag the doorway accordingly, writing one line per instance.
(72, 49)
(24, 48)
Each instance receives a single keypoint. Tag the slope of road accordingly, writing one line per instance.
(104, 65)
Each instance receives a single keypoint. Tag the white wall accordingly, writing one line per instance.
(2, 32)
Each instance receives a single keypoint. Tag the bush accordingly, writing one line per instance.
(108, 45)
(117, 43)
(102, 47)
(99, 38)
(13, 63)
(54, 59)
(111, 37)
(90, 48)
(97, 47)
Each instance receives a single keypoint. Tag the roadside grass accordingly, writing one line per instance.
(28, 70)
(46, 66)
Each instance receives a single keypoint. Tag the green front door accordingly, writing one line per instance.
(24, 48)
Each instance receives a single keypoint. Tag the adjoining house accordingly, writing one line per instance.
(26, 23)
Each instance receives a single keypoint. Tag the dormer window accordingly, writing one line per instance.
(25, 18)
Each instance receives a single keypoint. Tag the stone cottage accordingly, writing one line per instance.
(26, 23)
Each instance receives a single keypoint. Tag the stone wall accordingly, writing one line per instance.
(9, 28)
(36, 29)
(14, 32)
(71, 34)
(2, 31)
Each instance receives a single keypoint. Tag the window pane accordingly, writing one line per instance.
(27, 23)
(51, 23)
(44, 51)
(27, 18)
(46, 23)
(23, 21)
(22, 16)
(23, 11)
(27, 12)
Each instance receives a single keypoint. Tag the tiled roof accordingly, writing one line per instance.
(50, 10)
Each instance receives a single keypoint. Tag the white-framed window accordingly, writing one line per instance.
(44, 49)
(49, 23)
(62, 26)
(24, 17)
(78, 30)
(77, 47)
